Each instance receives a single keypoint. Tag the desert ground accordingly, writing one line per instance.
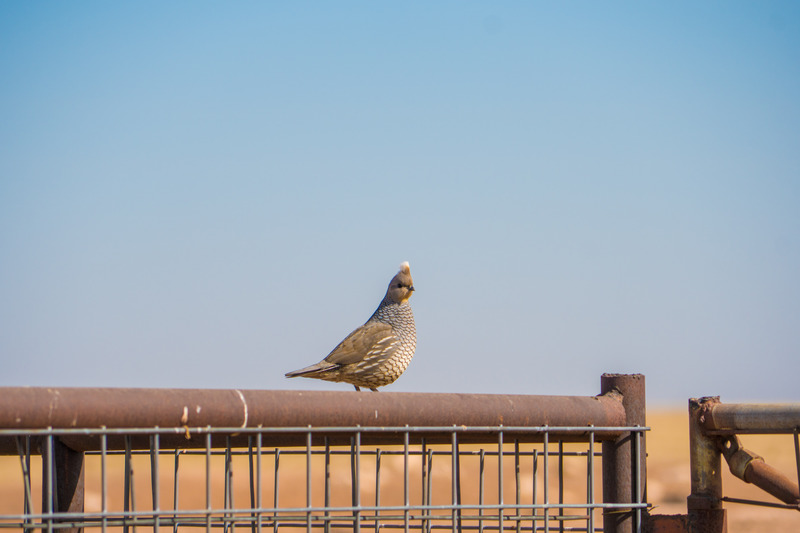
(667, 485)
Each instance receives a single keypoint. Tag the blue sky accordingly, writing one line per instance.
(198, 194)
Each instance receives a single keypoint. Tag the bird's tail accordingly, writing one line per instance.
(311, 370)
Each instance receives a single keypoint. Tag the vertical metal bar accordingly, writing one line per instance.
(561, 485)
(67, 475)
(48, 472)
(276, 488)
(637, 435)
(154, 479)
(104, 480)
(406, 481)
(327, 484)
(133, 499)
(546, 480)
(25, 463)
(618, 455)
(259, 501)
(590, 483)
(456, 481)
(481, 479)
(70, 475)
(225, 488)
(797, 453)
(208, 479)
(175, 487)
(308, 480)
(517, 484)
(378, 488)
(458, 485)
(704, 504)
(251, 472)
(534, 488)
(500, 501)
(228, 520)
(353, 481)
(429, 523)
(67, 479)
(126, 498)
(356, 470)
(453, 517)
(28, 494)
(28, 468)
(425, 474)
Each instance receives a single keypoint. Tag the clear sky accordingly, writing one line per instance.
(208, 194)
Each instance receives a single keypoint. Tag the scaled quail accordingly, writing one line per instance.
(376, 353)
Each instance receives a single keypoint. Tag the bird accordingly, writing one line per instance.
(378, 352)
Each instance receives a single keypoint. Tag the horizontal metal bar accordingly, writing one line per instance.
(88, 439)
(383, 522)
(724, 418)
(91, 444)
(324, 430)
(319, 509)
(729, 432)
(300, 521)
(761, 503)
(296, 523)
(39, 407)
(345, 452)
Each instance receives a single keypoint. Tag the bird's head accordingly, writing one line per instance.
(401, 286)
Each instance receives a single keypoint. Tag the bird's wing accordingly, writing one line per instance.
(370, 339)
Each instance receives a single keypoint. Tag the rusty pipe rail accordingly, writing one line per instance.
(728, 419)
(41, 408)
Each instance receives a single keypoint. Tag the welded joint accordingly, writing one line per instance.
(705, 407)
(614, 394)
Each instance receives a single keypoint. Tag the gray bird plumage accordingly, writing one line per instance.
(378, 352)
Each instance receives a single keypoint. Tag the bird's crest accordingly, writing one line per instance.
(405, 268)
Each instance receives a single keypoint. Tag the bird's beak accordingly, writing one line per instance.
(411, 288)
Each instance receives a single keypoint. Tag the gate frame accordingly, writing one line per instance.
(620, 404)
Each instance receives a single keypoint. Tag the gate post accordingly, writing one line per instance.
(704, 504)
(625, 473)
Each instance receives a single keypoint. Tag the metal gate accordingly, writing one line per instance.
(713, 435)
(126, 459)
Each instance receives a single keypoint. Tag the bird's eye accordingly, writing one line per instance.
(399, 285)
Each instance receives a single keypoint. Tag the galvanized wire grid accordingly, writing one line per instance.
(408, 484)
